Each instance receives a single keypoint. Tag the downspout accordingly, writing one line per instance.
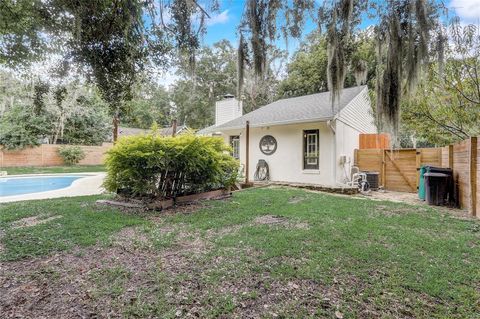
(331, 125)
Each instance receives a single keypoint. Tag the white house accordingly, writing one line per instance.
(302, 139)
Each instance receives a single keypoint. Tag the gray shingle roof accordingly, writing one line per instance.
(206, 130)
(300, 109)
(165, 131)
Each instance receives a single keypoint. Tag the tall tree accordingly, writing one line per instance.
(23, 26)
(403, 31)
(109, 40)
(112, 41)
(215, 75)
(150, 105)
(446, 106)
(307, 72)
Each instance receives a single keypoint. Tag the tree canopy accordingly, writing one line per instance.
(446, 106)
(413, 64)
(110, 41)
(307, 72)
(404, 35)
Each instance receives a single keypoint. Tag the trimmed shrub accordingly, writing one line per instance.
(71, 155)
(167, 167)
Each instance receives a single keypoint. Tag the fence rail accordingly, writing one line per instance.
(399, 168)
(47, 155)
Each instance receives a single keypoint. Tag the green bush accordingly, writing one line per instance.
(20, 128)
(166, 167)
(71, 155)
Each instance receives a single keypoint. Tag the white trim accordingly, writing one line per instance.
(322, 119)
(235, 140)
(310, 171)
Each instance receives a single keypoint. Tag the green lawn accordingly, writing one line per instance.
(268, 252)
(53, 169)
(75, 221)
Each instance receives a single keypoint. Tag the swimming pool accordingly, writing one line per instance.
(11, 186)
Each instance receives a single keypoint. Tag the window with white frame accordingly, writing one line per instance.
(235, 144)
(310, 149)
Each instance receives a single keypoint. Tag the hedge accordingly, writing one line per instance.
(167, 167)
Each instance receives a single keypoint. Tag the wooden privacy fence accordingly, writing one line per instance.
(464, 159)
(399, 168)
(47, 155)
(369, 141)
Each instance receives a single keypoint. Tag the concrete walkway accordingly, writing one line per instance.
(91, 184)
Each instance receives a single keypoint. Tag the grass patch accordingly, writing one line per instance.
(110, 281)
(394, 250)
(264, 253)
(82, 223)
(53, 169)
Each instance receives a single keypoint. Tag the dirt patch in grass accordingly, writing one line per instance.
(275, 220)
(34, 220)
(271, 220)
(64, 286)
(295, 199)
(124, 279)
(393, 211)
(103, 281)
(412, 199)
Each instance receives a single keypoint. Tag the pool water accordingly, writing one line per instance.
(26, 185)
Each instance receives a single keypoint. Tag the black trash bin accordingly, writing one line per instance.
(436, 187)
(449, 195)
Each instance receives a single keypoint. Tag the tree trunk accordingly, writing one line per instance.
(116, 120)
(174, 127)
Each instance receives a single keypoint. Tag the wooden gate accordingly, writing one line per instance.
(398, 168)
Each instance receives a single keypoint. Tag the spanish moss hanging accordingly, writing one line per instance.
(403, 31)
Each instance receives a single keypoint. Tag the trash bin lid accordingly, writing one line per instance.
(435, 175)
(445, 170)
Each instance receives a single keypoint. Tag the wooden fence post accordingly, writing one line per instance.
(473, 175)
(418, 161)
(450, 156)
(384, 177)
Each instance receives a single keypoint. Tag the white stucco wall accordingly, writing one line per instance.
(353, 119)
(286, 164)
(347, 141)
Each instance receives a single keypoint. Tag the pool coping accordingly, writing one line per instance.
(91, 184)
